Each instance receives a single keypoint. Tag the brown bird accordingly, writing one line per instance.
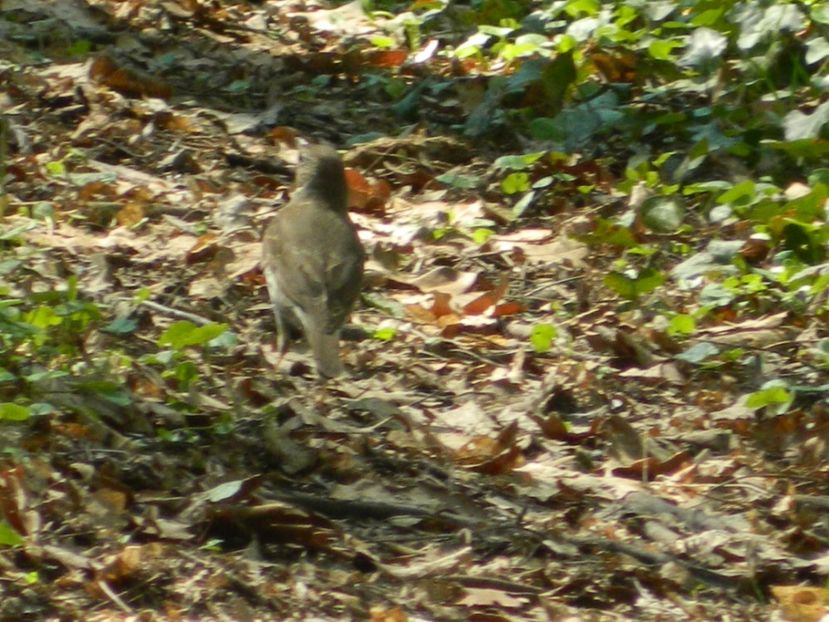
(313, 259)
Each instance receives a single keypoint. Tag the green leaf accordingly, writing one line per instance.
(43, 210)
(480, 236)
(120, 326)
(518, 162)
(107, 390)
(525, 45)
(238, 87)
(816, 50)
(43, 317)
(803, 148)
(798, 125)
(224, 491)
(523, 203)
(621, 284)
(515, 183)
(56, 168)
(741, 192)
(759, 23)
(81, 179)
(698, 352)
(682, 325)
(472, 46)
(714, 294)
(662, 49)
(14, 412)
(820, 12)
(226, 340)
(386, 333)
(386, 305)
(81, 47)
(382, 42)
(184, 373)
(546, 128)
(662, 214)
(464, 182)
(774, 393)
(575, 8)
(14, 232)
(608, 232)
(182, 334)
(8, 536)
(44, 375)
(704, 45)
(556, 78)
(708, 17)
(40, 409)
(542, 336)
(631, 287)
(808, 243)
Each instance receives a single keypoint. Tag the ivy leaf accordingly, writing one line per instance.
(182, 334)
(797, 125)
(8, 536)
(632, 287)
(14, 412)
(542, 336)
(704, 45)
(663, 214)
(120, 326)
(682, 324)
(698, 352)
(386, 333)
(774, 394)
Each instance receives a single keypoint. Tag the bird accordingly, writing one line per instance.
(312, 259)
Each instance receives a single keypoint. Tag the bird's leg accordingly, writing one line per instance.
(281, 336)
(276, 303)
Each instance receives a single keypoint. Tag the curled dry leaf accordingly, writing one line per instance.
(366, 196)
(132, 83)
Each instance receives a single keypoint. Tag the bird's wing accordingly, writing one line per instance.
(297, 268)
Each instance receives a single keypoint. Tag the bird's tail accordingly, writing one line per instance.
(326, 350)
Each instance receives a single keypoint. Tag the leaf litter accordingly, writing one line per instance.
(457, 473)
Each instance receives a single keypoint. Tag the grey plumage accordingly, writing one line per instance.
(313, 259)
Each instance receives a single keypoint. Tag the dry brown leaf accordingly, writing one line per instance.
(383, 614)
(559, 250)
(508, 308)
(650, 468)
(105, 70)
(666, 371)
(366, 196)
(443, 279)
(284, 135)
(112, 500)
(13, 499)
(488, 597)
(386, 59)
(129, 215)
(488, 299)
(440, 305)
(802, 603)
(125, 564)
(203, 249)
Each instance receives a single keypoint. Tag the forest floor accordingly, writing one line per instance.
(512, 440)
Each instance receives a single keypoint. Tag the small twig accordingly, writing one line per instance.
(196, 319)
(114, 597)
(4, 152)
(544, 286)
